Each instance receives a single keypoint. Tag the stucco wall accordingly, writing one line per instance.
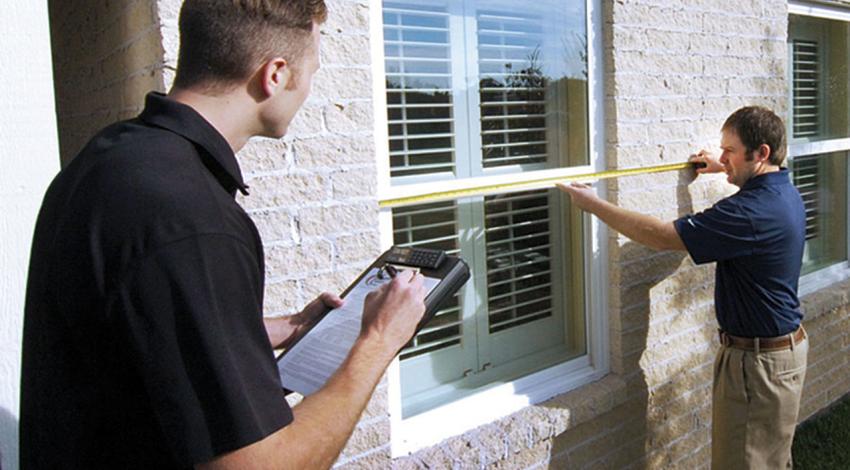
(30, 153)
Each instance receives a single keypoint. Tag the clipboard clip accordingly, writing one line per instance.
(389, 270)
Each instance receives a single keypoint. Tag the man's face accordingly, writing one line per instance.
(733, 156)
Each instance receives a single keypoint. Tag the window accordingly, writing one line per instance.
(819, 132)
(478, 89)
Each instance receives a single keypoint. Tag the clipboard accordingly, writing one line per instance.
(317, 353)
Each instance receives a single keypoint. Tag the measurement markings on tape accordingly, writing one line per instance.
(525, 185)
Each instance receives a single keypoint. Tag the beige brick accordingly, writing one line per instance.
(432, 457)
(274, 191)
(358, 247)
(274, 225)
(335, 282)
(377, 458)
(260, 155)
(528, 458)
(341, 83)
(308, 122)
(345, 49)
(346, 118)
(283, 297)
(289, 261)
(320, 221)
(346, 16)
(351, 183)
(367, 437)
(331, 151)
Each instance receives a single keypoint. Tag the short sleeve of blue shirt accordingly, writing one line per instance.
(721, 232)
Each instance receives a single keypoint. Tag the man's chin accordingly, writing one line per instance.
(730, 178)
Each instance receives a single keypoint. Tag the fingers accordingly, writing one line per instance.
(572, 187)
(701, 160)
(330, 300)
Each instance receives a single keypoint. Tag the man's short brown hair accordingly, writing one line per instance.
(757, 125)
(223, 41)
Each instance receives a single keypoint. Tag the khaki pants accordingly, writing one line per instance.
(755, 402)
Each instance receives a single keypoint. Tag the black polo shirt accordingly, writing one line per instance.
(756, 236)
(144, 345)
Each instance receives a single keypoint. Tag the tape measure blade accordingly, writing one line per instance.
(508, 188)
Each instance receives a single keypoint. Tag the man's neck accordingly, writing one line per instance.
(228, 112)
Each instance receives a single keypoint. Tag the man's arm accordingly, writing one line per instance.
(644, 229)
(324, 420)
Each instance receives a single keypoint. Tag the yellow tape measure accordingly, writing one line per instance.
(525, 185)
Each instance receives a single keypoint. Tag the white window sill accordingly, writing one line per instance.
(525, 399)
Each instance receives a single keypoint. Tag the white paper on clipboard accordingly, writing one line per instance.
(313, 360)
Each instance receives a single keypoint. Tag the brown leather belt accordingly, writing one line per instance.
(776, 343)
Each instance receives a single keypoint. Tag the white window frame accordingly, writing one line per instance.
(840, 271)
(433, 426)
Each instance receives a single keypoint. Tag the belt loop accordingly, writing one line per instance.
(791, 337)
(756, 345)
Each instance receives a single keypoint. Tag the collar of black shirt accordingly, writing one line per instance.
(181, 119)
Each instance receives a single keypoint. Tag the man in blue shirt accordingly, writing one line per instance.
(756, 237)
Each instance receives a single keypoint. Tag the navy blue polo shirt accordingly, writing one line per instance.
(756, 236)
(144, 344)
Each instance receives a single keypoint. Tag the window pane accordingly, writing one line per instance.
(519, 259)
(419, 89)
(532, 67)
(822, 182)
(819, 54)
(474, 86)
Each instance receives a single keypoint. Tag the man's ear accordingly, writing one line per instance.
(274, 76)
(763, 153)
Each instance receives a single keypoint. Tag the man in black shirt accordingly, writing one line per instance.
(144, 341)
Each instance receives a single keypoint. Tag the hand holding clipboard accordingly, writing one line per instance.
(317, 354)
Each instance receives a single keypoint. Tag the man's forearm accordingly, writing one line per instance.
(323, 421)
(327, 417)
(642, 228)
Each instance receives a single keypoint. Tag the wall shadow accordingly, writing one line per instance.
(9, 448)
(650, 301)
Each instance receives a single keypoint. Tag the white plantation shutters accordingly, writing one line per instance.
(805, 88)
(819, 132)
(512, 89)
(419, 88)
(806, 176)
(471, 91)
(519, 259)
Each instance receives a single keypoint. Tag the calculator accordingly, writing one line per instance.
(415, 257)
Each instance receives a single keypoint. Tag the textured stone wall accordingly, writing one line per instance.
(106, 56)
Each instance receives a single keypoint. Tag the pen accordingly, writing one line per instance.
(391, 270)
